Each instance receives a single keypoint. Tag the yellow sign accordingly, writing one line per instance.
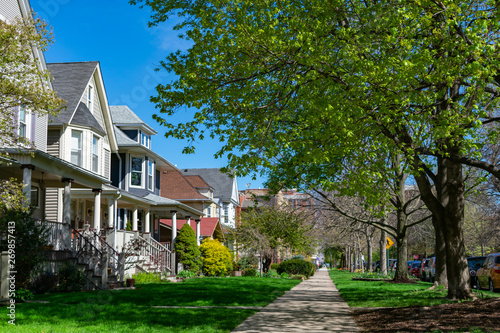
(389, 243)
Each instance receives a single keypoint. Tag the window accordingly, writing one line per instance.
(144, 140)
(34, 196)
(76, 147)
(22, 121)
(95, 154)
(209, 211)
(89, 98)
(150, 175)
(136, 174)
(226, 211)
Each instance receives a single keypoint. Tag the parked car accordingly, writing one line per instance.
(409, 265)
(474, 263)
(424, 270)
(415, 268)
(488, 276)
(430, 270)
(392, 262)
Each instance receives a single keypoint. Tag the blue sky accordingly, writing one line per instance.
(116, 34)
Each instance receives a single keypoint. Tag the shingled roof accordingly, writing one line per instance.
(221, 182)
(175, 186)
(69, 82)
(122, 115)
(209, 226)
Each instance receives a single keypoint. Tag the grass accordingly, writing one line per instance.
(131, 311)
(385, 294)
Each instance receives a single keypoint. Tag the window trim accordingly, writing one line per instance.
(132, 171)
(144, 139)
(150, 175)
(90, 97)
(80, 148)
(95, 145)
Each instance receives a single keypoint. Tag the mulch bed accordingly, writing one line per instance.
(481, 313)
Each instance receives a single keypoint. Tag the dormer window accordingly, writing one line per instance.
(89, 98)
(145, 139)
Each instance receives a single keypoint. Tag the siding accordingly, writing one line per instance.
(40, 137)
(107, 163)
(10, 9)
(53, 142)
(51, 203)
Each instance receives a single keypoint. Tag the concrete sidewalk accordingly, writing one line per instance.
(314, 305)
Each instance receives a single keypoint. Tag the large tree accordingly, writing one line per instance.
(319, 80)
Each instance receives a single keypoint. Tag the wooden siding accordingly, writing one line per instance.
(51, 203)
(107, 164)
(53, 142)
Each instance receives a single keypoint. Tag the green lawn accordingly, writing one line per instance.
(131, 311)
(385, 294)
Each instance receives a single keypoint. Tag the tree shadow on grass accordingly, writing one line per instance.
(86, 317)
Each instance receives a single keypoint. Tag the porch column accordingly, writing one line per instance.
(97, 208)
(111, 213)
(67, 200)
(27, 170)
(198, 231)
(174, 228)
(125, 219)
(134, 219)
(174, 236)
(188, 220)
(146, 221)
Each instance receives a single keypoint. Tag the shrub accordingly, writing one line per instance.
(298, 277)
(275, 266)
(250, 272)
(186, 248)
(44, 283)
(145, 277)
(186, 274)
(30, 238)
(23, 295)
(272, 273)
(70, 279)
(298, 256)
(248, 261)
(284, 275)
(216, 258)
(297, 266)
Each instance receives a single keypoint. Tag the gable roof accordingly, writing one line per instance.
(209, 226)
(122, 139)
(123, 116)
(175, 186)
(221, 182)
(69, 82)
(197, 181)
(83, 116)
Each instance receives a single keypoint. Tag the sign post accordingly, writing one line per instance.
(388, 246)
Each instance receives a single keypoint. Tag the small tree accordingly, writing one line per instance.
(27, 238)
(217, 260)
(188, 253)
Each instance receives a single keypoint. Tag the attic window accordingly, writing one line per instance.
(145, 139)
(89, 98)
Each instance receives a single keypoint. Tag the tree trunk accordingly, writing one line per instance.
(383, 256)
(441, 277)
(401, 235)
(369, 248)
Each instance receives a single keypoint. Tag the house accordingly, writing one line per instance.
(225, 191)
(206, 227)
(193, 191)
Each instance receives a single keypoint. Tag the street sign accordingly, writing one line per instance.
(389, 243)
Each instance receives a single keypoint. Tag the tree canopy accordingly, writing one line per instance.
(297, 87)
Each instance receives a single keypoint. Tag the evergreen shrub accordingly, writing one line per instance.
(297, 266)
(186, 248)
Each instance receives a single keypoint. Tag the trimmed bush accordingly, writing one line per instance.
(271, 274)
(275, 266)
(186, 247)
(145, 277)
(297, 266)
(250, 272)
(217, 260)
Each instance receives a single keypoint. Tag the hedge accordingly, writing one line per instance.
(297, 266)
